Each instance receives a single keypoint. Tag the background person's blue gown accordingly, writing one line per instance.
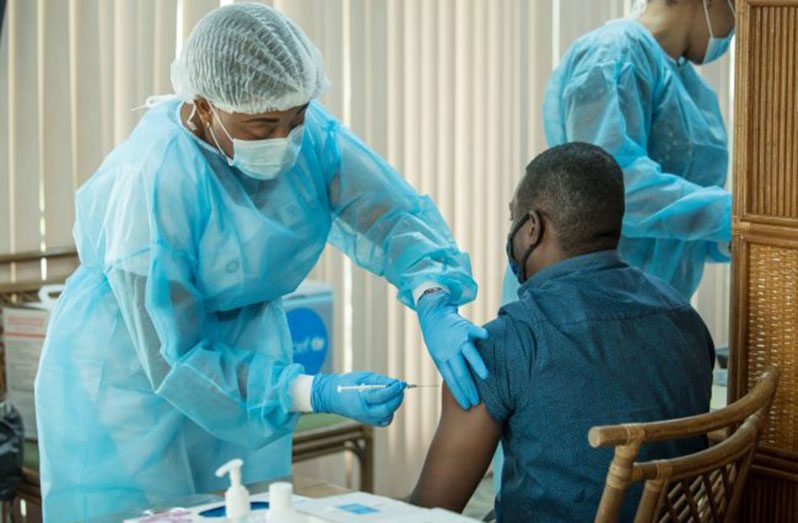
(169, 351)
(616, 88)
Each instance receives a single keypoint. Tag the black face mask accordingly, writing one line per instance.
(519, 269)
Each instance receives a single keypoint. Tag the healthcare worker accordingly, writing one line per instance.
(631, 88)
(169, 352)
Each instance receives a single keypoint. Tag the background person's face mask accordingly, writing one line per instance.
(262, 159)
(717, 46)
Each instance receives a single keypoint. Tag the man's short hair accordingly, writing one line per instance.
(579, 187)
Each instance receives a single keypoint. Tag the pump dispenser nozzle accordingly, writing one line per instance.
(236, 499)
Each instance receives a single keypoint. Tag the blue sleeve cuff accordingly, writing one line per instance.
(419, 291)
(456, 281)
(719, 252)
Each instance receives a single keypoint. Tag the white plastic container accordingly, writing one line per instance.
(280, 508)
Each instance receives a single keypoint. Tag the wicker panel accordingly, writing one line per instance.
(773, 336)
(773, 125)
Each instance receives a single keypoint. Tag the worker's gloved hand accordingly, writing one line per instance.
(374, 407)
(450, 340)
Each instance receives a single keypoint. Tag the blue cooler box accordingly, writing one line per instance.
(310, 315)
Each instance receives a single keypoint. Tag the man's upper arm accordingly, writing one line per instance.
(460, 453)
(466, 440)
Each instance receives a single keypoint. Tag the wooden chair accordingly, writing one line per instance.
(705, 486)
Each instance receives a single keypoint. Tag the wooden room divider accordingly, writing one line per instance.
(765, 244)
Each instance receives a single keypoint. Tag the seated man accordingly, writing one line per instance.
(590, 341)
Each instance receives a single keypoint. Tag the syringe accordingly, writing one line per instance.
(360, 388)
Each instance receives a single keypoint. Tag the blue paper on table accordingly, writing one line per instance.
(219, 511)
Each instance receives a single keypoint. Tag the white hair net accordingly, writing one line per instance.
(249, 58)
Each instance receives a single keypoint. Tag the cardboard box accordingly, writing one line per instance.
(23, 336)
(310, 318)
(24, 328)
(2, 361)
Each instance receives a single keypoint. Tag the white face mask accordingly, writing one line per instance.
(717, 46)
(262, 159)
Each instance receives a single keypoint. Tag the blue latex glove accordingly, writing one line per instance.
(374, 407)
(450, 340)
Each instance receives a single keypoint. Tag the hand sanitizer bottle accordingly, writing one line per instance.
(236, 499)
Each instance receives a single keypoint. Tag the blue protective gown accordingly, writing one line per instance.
(169, 352)
(618, 89)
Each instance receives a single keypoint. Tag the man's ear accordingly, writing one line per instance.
(535, 229)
